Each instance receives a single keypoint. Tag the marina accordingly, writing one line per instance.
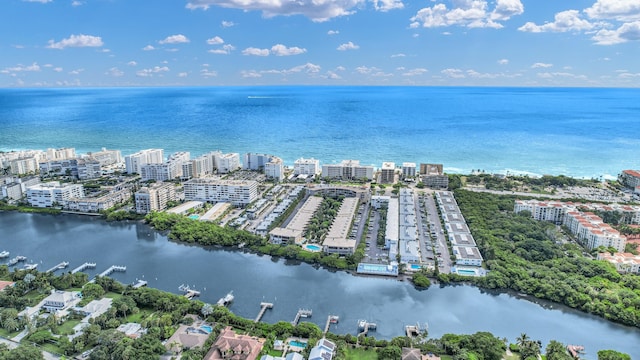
(84, 267)
(302, 313)
(110, 271)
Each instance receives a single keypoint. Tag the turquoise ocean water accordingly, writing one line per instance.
(578, 132)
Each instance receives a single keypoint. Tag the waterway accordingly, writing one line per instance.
(49, 240)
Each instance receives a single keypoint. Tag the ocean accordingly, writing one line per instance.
(581, 132)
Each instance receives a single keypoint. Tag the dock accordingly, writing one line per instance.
(16, 260)
(60, 266)
(415, 330)
(302, 313)
(83, 267)
(263, 308)
(140, 284)
(110, 271)
(189, 293)
(331, 319)
(364, 327)
(226, 300)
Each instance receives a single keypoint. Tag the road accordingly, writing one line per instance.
(444, 259)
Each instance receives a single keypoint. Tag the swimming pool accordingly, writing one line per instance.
(194, 217)
(312, 247)
(299, 344)
(416, 267)
(206, 328)
(466, 272)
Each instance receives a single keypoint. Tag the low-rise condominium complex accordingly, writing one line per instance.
(347, 170)
(50, 193)
(237, 192)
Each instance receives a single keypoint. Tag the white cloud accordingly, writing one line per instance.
(503, 61)
(104, 50)
(348, 46)
(174, 39)
(621, 10)
(372, 71)
(225, 50)
(453, 73)
(57, 69)
(183, 74)
(148, 48)
(172, 49)
(307, 68)
(569, 20)
(398, 55)
(76, 41)
(115, 72)
(627, 75)
(255, 51)
(76, 71)
(227, 24)
(627, 32)
(467, 13)
(552, 75)
(386, 5)
(415, 72)
(152, 71)
(541, 65)
(132, 63)
(281, 50)
(208, 73)
(77, 3)
(250, 74)
(341, 68)
(21, 68)
(333, 32)
(316, 10)
(216, 40)
(38, 1)
(505, 9)
(333, 76)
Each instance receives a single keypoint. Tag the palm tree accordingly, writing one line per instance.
(555, 350)
(522, 340)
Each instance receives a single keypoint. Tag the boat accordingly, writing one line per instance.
(4, 254)
(30, 266)
(227, 299)
(575, 350)
(17, 259)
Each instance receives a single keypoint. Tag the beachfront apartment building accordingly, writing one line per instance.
(304, 166)
(237, 192)
(134, 162)
(555, 211)
(50, 193)
(167, 171)
(256, 162)
(409, 169)
(274, 169)
(154, 197)
(23, 166)
(106, 157)
(387, 173)
(14, 188)
(226, 163)
(347, 170)
(61, 154)
(82, 169)
(199, 167)
(433, 176)
(630, 178)
(592, 232)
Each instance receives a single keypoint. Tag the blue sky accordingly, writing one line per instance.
(57, 43)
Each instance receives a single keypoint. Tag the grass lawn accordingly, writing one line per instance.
(67, 327)
(6, 334)
(112, 295)
(275, 353)
(513, 356)
(140, 315)
(360, 354)
(51, 348)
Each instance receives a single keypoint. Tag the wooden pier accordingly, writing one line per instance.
(263, 308)
(84, 267)
(364, 327)
(302, 313)
(140, 284)
(331, 319)
(110, 271)
(189, 293)
(415, 330)
(60, 266)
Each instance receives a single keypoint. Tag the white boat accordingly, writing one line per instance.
(4, 254)
(17, 259)
(227, 299)
(30, 266)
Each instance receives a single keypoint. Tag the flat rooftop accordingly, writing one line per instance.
(182, 208)
(339, 231)
(467, 252)
(462, 239)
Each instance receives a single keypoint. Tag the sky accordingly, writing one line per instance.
(95, 43)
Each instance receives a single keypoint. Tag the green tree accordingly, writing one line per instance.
(391, 352)
(556, 350)
(612, 355)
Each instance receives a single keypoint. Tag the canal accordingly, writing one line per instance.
(48, 240)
